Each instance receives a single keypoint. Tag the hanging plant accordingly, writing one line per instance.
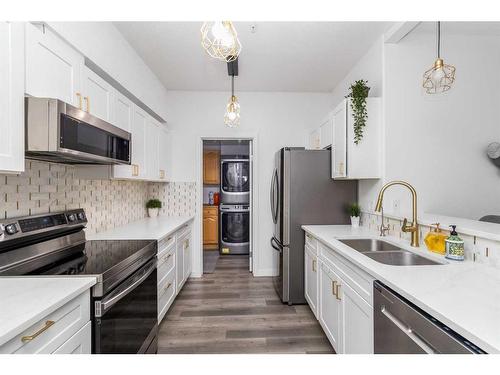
(358, 94)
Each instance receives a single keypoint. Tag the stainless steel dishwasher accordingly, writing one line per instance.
(403, 328)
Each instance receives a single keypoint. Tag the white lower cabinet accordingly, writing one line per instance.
(330, 309)
(311, 280)
(79, 343)
(344, 301)
(58, 332)
(174, 267)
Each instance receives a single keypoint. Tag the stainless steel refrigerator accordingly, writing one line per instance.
(302, 192)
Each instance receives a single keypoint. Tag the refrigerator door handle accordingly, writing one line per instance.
(275, 245)
(274, 193)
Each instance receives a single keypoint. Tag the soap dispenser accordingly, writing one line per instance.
(435, 239)
(454, 245)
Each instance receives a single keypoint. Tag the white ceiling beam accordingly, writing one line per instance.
(399, 30)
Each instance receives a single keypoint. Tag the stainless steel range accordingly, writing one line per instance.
(124, 300)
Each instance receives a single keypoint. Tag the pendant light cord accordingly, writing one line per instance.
(232, 85)
(438, 38)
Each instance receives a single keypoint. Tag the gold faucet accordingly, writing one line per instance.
(413, 228)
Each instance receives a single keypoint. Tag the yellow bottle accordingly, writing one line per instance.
(435, 240)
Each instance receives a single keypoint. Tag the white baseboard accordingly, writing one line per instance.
(264, 272)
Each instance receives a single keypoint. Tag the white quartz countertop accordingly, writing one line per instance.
(144, 229)
(463, 295)
(25, 300)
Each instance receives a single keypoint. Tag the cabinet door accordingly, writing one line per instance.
(339, 148)
(326, 134)
(137, 169)
(315, 139)
(97, 95)
(53, 67)
(311, 281)
(79, 343)
(179, 264)
(123, 111)
(187, 256)
(210, 228)
(152, 149)
(330, 307)
(357, 322)
(11, 97)
(164, 151)
(211, 167)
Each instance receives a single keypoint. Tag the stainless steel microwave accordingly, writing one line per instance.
(59, 132)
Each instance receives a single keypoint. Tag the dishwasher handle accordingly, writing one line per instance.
(414, 336)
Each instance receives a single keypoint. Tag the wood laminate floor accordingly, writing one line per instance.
(230, 311)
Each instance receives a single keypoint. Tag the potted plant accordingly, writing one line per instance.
(153, 206)
(358, 94)
(354, 212)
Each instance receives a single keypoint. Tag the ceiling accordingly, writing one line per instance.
(278, 56)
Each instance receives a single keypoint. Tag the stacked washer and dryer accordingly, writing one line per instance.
(235, 201)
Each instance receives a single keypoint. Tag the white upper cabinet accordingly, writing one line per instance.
(164, 154)
(137, 168)
(97, 95)
(326, 133)
(11, 97)
(123, 111)
(53, 68)
(315, 139)
(362, 160)
(152, 147)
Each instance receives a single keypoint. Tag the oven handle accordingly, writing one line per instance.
(112, 299)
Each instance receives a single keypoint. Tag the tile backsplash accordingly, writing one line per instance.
(48, 187)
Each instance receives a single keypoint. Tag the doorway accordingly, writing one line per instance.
(227, 201)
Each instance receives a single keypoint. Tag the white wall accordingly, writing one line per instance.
(275, 119)
(102, 43)
(437, 143)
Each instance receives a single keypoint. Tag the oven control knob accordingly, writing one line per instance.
(11, 229)
(81, 216)
(71, 217)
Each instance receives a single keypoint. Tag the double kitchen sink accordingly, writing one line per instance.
(387, 253)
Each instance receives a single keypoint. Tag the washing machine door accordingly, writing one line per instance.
(235, 229)
(235, 181)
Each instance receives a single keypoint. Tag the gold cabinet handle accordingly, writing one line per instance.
(87, 100)
(186, 244)
(337, 292)
(314, 265)
(166, 288)
(162, 174)
(79, 96)
(334, 288)
(135, 170)
(47, 325)
(165, 258)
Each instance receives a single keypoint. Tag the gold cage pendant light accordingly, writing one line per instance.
(220, 40)
(232, 115)
(441, 76)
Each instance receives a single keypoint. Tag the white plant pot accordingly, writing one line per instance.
(355, 221)
(153, 212)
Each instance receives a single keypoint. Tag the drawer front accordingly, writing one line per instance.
(79, 343)
(210, 211)
(166, 243)
(53, 330)
(312, 243)
(166, 263)
(357, 279)
(166, 294)
(183, 230)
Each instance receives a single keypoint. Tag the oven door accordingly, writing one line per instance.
(126, 319)
(80, 138)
